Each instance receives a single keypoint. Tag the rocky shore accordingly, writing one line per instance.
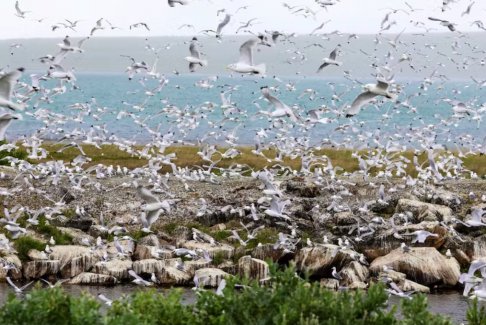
(361, 236)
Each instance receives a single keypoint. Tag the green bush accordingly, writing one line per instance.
(24, 244)
(46, 229)
(17, 153)
(287, 300)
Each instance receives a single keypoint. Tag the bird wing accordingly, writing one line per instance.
(152, 216)
(135, 275)
(361, 100)
(436, 19)
(192, 67)
(222, 24)
(333, 54)
(322, 66)
(12, 284)
(7, 83)
(246, 52)
(382, 84)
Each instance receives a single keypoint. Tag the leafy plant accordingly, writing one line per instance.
(24, 244)
(45, 228)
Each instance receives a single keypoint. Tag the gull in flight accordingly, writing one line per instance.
(141, 24)
(5, 120)
(17, 289)
(281, 109)
(371, 91)
(195, 57)
(7, 83)
(153, 207)
(19, 12)
(330, 60)
(172, 3)
(245, 63)
(106, 300)
(421, 236)
(445, 23)
(138, 280)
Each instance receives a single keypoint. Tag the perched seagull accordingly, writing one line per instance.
(5, 120)
(445, 23)
(245, 63)
(331, 60)
(172, 3)
(371, 91)
(195, 59)
(7, 83)
(335, 274)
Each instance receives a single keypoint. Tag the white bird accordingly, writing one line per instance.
(245, 63)
(476, 218)
(138, 280)
(331, 60)
(281, 110)
(19, 13)
(106, 300)
(335, 274)
(445, 23)
(421, 236)
(172, 3)
(7, 84)
(195, 59)
(17, 289)
(371, 91)
(5, 120)
(221, 286)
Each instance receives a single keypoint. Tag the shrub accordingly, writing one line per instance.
(24, 244)
(46, 229)
(16, 153)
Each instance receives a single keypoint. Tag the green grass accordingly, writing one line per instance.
(24, 244)
(17, 153)
(48, 230)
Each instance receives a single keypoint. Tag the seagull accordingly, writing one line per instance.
(137, 25)
(7, 83)
(153, 207)
(371, 91)
(138, 280)
(5, 120)
(281, 109)
(194, 59)
(331, 60)
(106, 300)
(17, 289)
(421, 236)
(245, 63)
(19, 12)
(222, 24)
(172, 3)
(445, 23)
(335, 274)
(476, 218)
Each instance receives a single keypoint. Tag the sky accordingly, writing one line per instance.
(346, 16)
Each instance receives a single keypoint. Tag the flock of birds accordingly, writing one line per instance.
(373, 150)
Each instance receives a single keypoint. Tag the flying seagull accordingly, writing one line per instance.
(445, 23)
(195, 58)
(330, 60)
(7, 83)
(245, 63)
(5, 120)
(172, 3)
(371, 91)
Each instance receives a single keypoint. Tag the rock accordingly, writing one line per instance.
(170, 275)
(461, 257)
(128, 247)
(392, 275)
(424, 265)
(77, 222)
(382, 243)
(14, 261)
(143, 252)
(78, 236)
(302, 189)
(253, 268)
(148, 266)
(358, 285)
(407, 285)
(218, 227)
(192, 266)
(354, 272)
(425, 211)
(444, 197)
(117, 268)
(73, 259)
(318, 261)
(332, 284)
(229, 267)
(40, 268)
(267, 252)
(149, 240)
(210, 277)
(221, 250)
(93, 279)
(344, 218)
(98, 231)
(36, 255)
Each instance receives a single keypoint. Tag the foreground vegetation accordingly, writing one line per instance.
(287, 300)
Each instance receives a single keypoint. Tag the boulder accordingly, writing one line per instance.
(253, 268)
(223, 250)
(358, 285)
(73, 259)
(93, 279)
(318, 261)
(35, 255)
(330, 283)
(210, 277)
(171, 275)
(15, 271)
(425, 211)
(77, 222)
(117, 268)
(444, 197)
(78, 236)
(128, 247)
(192, 266)
(143, 252)
(267, 252)
(41, 268)
(98, 231)
(424, 265)
(148, 266)
(407, 285)
(149, 240)
(354, 272)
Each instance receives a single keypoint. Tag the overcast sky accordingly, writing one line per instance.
(347, 16)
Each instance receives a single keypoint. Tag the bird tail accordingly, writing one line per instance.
(391, 96)
(203, 63)
(261, 69)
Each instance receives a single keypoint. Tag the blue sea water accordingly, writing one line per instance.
(114, 92)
